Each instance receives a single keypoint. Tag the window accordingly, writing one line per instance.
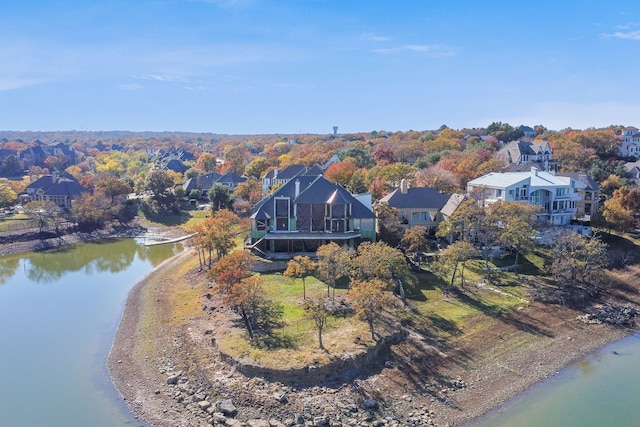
(420, 216)
(498, 193)
(282, 214)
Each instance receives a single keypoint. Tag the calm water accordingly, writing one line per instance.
(58, 314)
(603, 389)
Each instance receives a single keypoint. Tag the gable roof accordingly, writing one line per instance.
(512, 151)
(311, 189)
(231, 177)
(416, 198)
(452, 204)
(291, 171)
(202, 182)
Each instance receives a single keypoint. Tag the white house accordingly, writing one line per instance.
(630, 142)
(558, 196)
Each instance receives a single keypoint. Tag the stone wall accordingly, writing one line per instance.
(340, 370)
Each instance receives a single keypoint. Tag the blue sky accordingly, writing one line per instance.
(304, 66)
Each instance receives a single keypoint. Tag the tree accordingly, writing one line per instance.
(333, 263)
(11, 166)
(223, 229)
(8, 196)
(299, 268)
(577, 263)
(206, 163)
(389, 228)
(455, 257)
(415, 240)
(466, 222)
(215, 233)
(42, 211)
(157, 182)
(436, 177)
(356, 184)
(341, 173)
(113, 188)
(369, 298)
(616, 215)
(512, 223)
(381, 261)
(250, 190)
(383, 156)
(220, 197)
(256, 167)
(58, 162)
(317, 311)
(230, 274)
(235, 159)
(91, 211)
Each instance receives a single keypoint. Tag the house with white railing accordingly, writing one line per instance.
(557, 196)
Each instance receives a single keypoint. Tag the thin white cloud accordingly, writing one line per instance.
(294, 86)
(629, 35)
(11, 83)
(129, 86)
(374, 37)
(195, 88)
(628, 25)
(434, 50)
(163, 78)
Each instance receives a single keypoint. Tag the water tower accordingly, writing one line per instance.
(335, 130)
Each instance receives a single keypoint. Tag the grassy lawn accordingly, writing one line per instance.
(436, 314)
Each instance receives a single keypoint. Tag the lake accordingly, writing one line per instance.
(601, 389)
(59, 311)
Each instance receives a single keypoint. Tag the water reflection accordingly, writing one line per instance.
(8, 266)
(49, 266)
(58, 312)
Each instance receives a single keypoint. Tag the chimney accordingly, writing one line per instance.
(297, 184)
(534, 170)
(404, 186)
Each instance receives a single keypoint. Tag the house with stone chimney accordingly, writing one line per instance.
(305, 213)
(417, 206)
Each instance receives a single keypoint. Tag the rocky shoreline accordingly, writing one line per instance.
(171, 374)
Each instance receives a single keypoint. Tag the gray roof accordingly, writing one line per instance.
(582, 177)
(311, 189)
(58, 185)
(416, 198)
